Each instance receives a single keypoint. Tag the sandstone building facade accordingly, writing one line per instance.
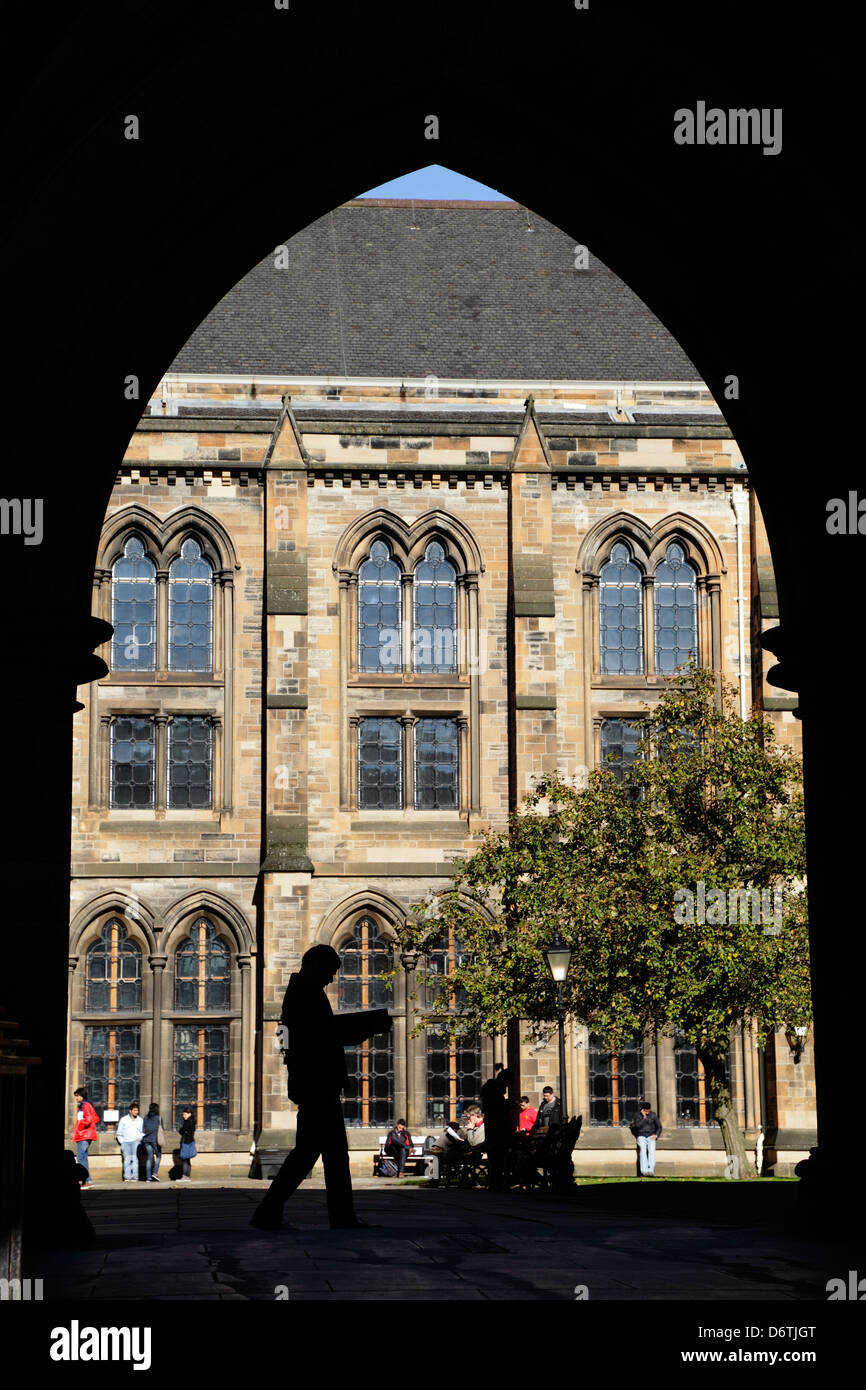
(420, 512)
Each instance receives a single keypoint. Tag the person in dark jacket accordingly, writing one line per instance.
(646, 1130)
(150, 1139)
(188, 1149)
(398, 1146)
(500, 1122)
(549, 1112)
(317, 1075)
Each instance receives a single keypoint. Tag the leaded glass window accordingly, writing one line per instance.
(133, 609)
(112, 1067)
(201, 970)
(190, 610)
(112, 981)
(190, 762)
(380, 779)
(621, 614)
(620, 743)
(200, 1075)
(436, 768)
(434, 645)
(453, 1076)
(615, 1082)
(368, 1098)
(379, 612)
(694, 1107)
(133, 749)
(675, 599)
(443, 954)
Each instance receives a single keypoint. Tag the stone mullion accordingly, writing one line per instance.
(408, 722)
(160, 800)
(243, 962)
(104, 787)
(596, 725)
(473, 657)
(228, 668)
(219, 749)
(666, 1085)
(157, 966)
(162, 620)
(407, 624)
(591, 661)
(348, 642)
(462, 762)
(353, 792)
(715, 590)
(649, 631)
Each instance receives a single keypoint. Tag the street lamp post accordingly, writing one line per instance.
(559, 959)
(409, 961)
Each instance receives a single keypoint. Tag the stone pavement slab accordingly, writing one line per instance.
(195, 1243)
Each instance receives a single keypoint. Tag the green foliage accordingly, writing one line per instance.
(710, 798)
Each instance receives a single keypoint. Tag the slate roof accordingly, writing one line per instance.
(471, 293)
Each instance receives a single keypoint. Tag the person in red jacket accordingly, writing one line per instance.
(527, 1117)
(84, 1132)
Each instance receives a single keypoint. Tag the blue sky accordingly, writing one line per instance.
(434, 182)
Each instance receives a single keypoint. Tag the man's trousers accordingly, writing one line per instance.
(320, 1131)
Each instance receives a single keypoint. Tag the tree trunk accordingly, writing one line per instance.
(726, 1117)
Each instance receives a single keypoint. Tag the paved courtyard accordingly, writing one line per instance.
(194, 1242)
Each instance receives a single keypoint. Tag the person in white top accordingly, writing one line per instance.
(129, 1135)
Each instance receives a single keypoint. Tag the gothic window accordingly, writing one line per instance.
(200, 1064)
(200, 1075)
(380, 781)
(112, 1066)
(368, 1098)
(621, 621)
(133, 609)
(694, 1106)
(190, 610)
(435, 612)
(379, 612)
(615, 1082)
(453, 1064)
(190, 762)
(675, 604)
(132, 763)
(453, 1076)
(201, 970)
(112, 983)
(436, 769)
(620, 742)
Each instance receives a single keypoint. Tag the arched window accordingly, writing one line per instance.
(621, 614)
(695, 1108)
(200, 1066)
(675, 601)
(615, 1082)
(201, 970)
(434, 639)
(112, 1051)
(133, 609)
(369, 1096)
(379, 612)
(113, 978)
(453, 1064)
(190, 610)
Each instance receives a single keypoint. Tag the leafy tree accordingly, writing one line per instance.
(710, 800)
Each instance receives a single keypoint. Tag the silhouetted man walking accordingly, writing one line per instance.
(317, 1075)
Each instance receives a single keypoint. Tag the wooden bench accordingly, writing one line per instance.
(416, 1159)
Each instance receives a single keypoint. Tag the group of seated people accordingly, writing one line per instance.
(488, 1131)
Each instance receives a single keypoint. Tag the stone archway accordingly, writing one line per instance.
(85, 341)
